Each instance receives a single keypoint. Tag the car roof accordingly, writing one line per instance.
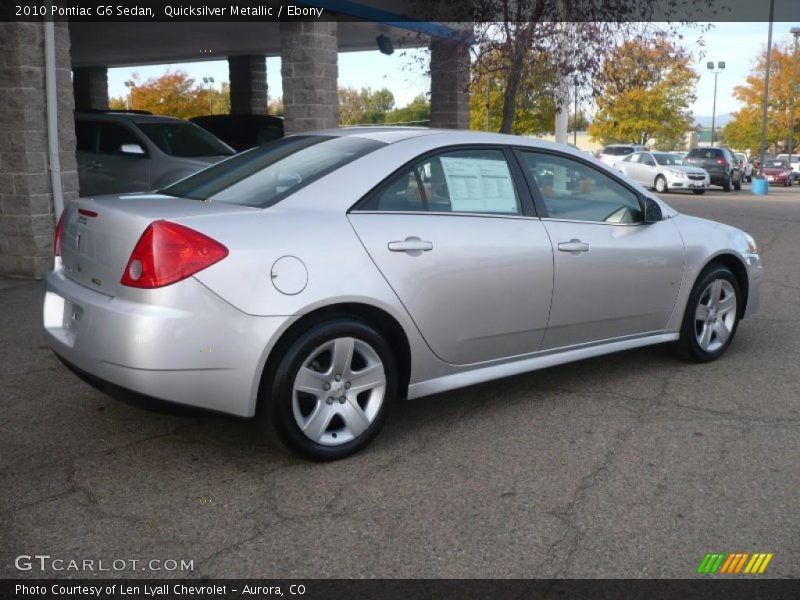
(127, 116)
(391, 135)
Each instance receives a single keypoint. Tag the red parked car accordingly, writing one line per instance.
(778, 171)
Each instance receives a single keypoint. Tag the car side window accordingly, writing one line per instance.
(112, 136)
(648, 160)
(634, 158)
(401, 193)
(86, 136)
(463, 181)
(575, 191)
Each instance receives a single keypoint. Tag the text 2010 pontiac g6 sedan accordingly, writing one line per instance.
(315, 280)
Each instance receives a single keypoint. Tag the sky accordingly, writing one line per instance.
(738, 44)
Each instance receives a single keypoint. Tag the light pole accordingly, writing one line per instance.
(129, 98)
(210, 82)
(765, 106)
(795, 31)
(720, 67)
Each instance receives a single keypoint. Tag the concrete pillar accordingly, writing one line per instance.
(26, 196)
(248, 77)
(90, 85)
(310, 72)
(450, 84)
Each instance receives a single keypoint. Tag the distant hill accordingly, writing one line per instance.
(721, 121)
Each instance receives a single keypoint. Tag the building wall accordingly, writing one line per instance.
(27, 218)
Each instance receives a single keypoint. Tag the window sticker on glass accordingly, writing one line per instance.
(479, 185)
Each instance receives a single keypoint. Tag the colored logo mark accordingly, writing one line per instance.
(740, 563)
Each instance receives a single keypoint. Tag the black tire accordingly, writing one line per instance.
(662, 183)
(726, 185)
(278, 405)
(688, 346)
(738, 184)
(698, 192)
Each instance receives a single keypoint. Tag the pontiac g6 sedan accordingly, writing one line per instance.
(315, 280)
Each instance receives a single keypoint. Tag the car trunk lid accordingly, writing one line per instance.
(99, 234)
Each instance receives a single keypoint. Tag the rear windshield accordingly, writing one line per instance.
(266, 175)
(705, 153)
(184, 139)
(618, 150)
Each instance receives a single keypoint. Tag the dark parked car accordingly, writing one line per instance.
(721, 164)
(242, 132)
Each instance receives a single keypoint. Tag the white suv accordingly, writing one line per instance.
(795, 164)
(613, 153)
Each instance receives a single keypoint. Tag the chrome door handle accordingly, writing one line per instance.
(574, 245)
(411, 244)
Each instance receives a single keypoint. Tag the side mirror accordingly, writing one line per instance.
(131, 150)
(652, 211)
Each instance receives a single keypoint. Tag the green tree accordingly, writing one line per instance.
(535, 106)
(744, 130)
(645, 89)
(364, 107)
(416, 112)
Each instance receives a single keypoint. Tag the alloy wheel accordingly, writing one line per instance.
(338, 391)
(715, 315)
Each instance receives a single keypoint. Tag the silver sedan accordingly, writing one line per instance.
(664, 172)
(314, 281)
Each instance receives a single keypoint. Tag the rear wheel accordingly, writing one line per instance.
(331, 389)
(712, 315)
(726, 184)
(661, 185)
(698, 192)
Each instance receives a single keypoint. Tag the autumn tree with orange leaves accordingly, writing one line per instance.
(174, 94)
(744, 131)
(645, 88)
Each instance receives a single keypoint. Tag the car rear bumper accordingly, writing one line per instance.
(190, 347)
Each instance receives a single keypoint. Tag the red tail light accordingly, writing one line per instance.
(167, 253)
(722, 161)
(57, 237)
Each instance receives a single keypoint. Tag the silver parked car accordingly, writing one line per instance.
(315, 280)
(131, 152)
(664, 172)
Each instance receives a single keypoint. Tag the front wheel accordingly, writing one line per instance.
(331, 389)
(661, 185)
(712, 315)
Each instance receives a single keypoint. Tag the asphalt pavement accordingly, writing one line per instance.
(630, 465)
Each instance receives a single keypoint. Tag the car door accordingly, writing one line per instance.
(648, 170)
(455, 236)
(632, 167)
(115, 171)
(615, 276)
